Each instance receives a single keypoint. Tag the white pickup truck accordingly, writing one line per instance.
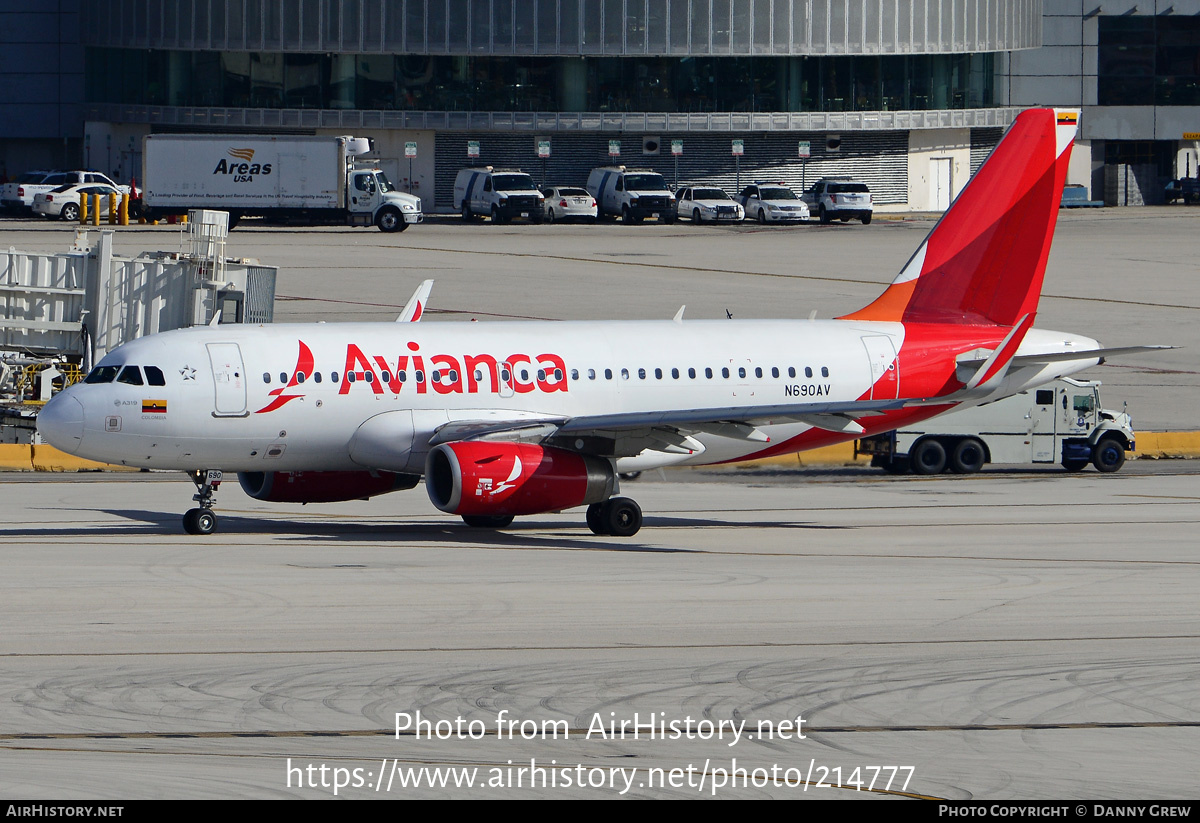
(19, 195)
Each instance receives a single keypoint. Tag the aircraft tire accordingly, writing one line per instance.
(595, 519)
(200, 521)
(1108, 455)
(621, 517)
(968, 456)
(485, 521)
(929, 457)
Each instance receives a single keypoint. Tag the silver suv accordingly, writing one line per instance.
(839, 198)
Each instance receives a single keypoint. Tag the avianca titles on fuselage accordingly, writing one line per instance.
(505, 419)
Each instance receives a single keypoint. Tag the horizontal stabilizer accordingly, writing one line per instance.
(971, 362)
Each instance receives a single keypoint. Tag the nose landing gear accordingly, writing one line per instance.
(202, 520)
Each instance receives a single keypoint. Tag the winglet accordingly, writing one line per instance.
(415, 307)
(679, 314)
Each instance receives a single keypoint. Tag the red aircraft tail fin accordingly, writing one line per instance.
(985, 259)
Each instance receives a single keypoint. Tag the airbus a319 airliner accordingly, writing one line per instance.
(520, 418)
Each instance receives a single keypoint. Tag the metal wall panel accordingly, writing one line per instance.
(570, 27)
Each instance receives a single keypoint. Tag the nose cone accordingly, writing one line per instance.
(60, 422)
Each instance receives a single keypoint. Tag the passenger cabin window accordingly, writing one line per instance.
(131, 375)
(154, 376)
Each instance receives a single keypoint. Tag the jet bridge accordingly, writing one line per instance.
(65, 311)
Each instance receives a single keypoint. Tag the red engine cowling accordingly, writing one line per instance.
(478, 477)
(322, 487)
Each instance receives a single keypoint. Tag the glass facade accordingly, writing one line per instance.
(277, 80)
(1149, 60)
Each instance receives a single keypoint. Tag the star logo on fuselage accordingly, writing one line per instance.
(188, 373)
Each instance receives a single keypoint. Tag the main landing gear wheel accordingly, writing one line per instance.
(618, 517)
(200, 521)
(486, 521)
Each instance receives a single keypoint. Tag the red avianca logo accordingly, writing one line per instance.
(441, 373)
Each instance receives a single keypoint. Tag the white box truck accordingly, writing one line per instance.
(298, 179)
(1061, 422)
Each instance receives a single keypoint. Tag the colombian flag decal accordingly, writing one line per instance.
(154, 407)
(1067, 118)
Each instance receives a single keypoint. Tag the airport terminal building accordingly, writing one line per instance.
(905, 95)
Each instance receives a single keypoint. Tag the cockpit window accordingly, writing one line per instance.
(131, 375)
(154, 376)
(102, 374)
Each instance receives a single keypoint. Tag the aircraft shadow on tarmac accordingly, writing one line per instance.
(146, 523)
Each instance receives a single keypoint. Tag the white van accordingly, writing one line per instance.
(633, 194)
(501, 194)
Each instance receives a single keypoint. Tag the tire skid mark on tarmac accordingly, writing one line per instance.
(622, 647)
(692, 270)
(581, 732)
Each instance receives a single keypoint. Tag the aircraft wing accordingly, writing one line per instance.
(669, 430)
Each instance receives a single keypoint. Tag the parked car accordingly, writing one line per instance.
(633, 194)
(64, 201)
(26, 192)
(772, 203)
(708, 204)
(839, 198)
(568, 203)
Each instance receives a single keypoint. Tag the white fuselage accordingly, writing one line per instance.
(294, 397)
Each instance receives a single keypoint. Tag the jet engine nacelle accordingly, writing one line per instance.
(322, 487)
(479, 477)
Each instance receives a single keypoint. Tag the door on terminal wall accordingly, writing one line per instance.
(941, 181)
